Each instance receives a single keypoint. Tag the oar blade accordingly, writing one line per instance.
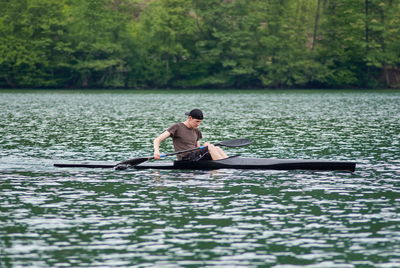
(84, 165)
(135, 161)
(235, 143)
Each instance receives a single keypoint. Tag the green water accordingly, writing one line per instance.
(227, 218)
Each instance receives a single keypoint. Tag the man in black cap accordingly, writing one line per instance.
(185, 136)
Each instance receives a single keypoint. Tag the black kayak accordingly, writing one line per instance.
(235, 162)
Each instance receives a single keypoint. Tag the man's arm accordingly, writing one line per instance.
(157, 141)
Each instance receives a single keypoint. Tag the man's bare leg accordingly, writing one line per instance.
(216, 152)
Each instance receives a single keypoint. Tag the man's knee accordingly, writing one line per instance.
(212, 147)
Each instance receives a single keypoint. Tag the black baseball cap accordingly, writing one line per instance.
(195, 113)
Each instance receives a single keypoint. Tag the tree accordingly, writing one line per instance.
(101, 44)
(342, 48)
(164, 36)
(382, 34)
(199, 43)
(32, 43)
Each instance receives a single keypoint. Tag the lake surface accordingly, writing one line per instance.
(52, 217)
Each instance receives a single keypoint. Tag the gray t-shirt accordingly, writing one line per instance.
(184, 138)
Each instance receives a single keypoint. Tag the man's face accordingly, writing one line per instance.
(194, 123)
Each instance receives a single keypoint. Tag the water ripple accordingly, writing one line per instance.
(103, 218)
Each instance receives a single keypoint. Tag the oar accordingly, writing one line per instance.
(228, 143)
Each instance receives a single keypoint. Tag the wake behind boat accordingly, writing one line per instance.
(235, 162)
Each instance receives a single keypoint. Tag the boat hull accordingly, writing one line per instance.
(253, 163)
(235, 162)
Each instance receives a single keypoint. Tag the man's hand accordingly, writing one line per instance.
(157, 156)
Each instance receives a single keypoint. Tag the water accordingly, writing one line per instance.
(227, 218)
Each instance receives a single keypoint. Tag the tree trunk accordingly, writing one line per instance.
(367, 32)
(316, 25)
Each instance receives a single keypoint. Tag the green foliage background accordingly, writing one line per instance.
(199, 43)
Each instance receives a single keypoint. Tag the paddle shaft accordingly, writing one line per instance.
(228, 143)
(181, 152)
(137, 161)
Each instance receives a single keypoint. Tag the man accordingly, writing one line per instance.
(185, 136)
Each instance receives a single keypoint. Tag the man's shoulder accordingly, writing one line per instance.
(174, 128)
(199, 134)
(178, 124)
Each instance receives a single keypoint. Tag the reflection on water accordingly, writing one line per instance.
(104, 218)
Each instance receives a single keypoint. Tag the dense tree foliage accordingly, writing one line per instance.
(200, 43)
